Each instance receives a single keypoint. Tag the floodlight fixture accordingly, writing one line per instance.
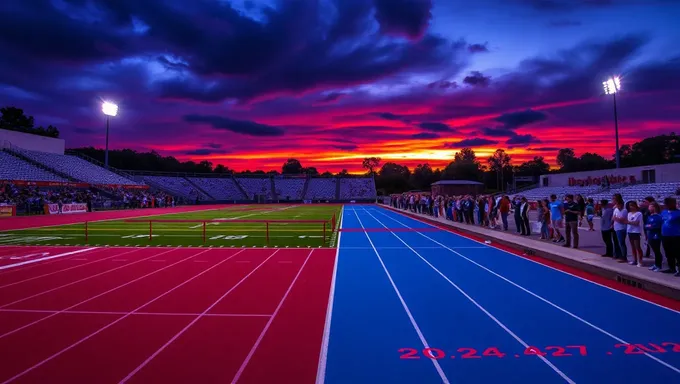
(109, 109)
(611, 87)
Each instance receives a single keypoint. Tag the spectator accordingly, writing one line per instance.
(524, 217)
(620, 216)
(670, 235)
(653, 230)
(644, 208)
(517, 206)
(607, 229)
(505, 210)
(544, 218)
(590, 213)
(556, 214)
(572, 211)
(634, 228)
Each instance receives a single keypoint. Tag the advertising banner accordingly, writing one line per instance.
(53, 209)
(8, 210)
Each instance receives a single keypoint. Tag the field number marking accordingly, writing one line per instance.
(229, 237)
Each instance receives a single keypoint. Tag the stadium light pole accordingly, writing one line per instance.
(110, 110)
(611, 87)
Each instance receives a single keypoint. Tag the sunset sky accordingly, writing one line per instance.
(248, 84)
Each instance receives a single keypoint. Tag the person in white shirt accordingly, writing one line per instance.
(634, 227)
(620, 218)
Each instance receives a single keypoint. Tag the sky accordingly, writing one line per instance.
(248, 84)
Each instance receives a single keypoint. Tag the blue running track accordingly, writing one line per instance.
(402, 286)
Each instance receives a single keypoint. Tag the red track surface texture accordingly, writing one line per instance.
(24, 222)
(181, 315)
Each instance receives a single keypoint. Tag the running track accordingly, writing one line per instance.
(212, 315)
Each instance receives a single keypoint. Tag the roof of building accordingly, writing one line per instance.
(457, 182)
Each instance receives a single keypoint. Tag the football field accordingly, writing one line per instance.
(233, 226)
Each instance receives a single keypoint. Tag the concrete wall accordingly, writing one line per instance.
(31, 142)
(665, 173)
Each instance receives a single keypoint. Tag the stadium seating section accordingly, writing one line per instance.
(635, 192)
(21, 164)
(14, 168)
(76, 168)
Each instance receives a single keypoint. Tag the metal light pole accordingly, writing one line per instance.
(109, 110)
(611, 87)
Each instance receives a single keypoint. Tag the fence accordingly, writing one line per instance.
(215, 232)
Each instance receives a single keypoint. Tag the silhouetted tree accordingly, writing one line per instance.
(292, 167)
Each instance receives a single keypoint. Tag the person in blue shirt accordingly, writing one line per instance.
(653, 231)
(556, 215)
(670, 234)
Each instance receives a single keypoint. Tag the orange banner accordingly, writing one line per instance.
(8, 210)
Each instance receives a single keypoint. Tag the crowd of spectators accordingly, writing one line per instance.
(634, 225)
(32, 199)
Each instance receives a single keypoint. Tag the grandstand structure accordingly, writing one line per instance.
(48, 164)
(634, 183)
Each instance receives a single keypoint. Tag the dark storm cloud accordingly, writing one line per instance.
(522, 140)
(388, 116)
(512, 120)
(435, 127)
(345, 147)
(425, 135)
(498, 132)
(205, 152)
(243, 127)
(409, 18)
(473, 142)
(213, 145)
(477, 79)
(478, 48)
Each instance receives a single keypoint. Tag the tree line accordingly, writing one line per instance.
(496, 171)
(14, 119)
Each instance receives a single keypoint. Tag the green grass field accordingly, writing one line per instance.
(297, 231)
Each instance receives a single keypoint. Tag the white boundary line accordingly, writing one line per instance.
(84, 278)
(200, 315)
(8, 266)
(245, 362)
(524, 258)
(438, 367)
(102, 329)
(541, 298)
(476, 304)
(119, 313)
(323, 355)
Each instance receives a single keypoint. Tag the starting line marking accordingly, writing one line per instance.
(46, 258)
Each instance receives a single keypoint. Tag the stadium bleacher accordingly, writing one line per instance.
(289, 188)
(360, 188)
(222, 188)
(256, 186)
(75, 167)
(636, 192)
(178, 186)
(321, 189)
(14, 168)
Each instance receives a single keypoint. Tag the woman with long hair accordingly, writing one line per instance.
(634, 228)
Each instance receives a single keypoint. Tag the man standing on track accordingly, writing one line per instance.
(556, 214)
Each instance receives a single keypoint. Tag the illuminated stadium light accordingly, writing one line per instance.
(109, 109)
(612, 85)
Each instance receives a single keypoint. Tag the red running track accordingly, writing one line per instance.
(166, 315)
(25, 222)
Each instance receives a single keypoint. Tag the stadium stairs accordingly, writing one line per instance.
(100, 164)
(273, 187)
(40, 165)
(337, 189)
(240, 188)
(199, 188)
(304, 189)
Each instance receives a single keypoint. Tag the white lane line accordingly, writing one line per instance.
(243, 366)
(46, 258)
(441, 373)
(181, 332)
(543, 299)
(476, 304)
(323, 358)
